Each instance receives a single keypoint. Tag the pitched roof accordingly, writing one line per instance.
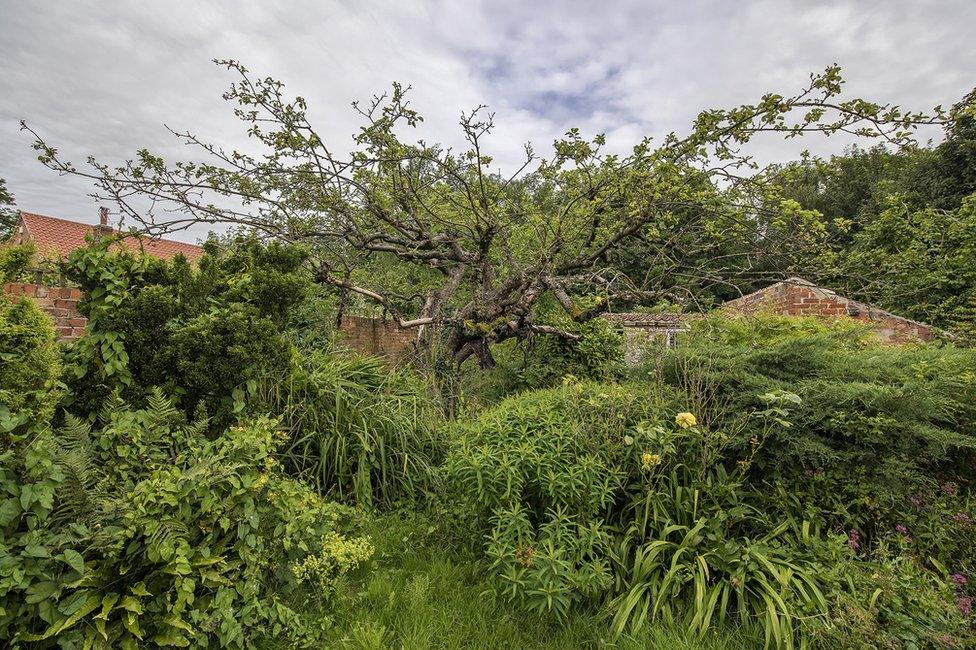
(778, 289)
(58, 237)
(654, 321)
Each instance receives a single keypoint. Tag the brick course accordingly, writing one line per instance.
(375, 336)
(60, 303)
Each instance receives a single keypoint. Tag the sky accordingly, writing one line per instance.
(105, 78)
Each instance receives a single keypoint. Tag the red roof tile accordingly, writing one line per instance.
(58, 237)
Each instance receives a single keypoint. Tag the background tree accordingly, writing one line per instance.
(902, 223)
(433, 236)
(8, 214)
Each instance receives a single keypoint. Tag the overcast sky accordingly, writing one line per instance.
(103, 77)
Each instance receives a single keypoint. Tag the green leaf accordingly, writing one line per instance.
(9, 511)
(139, 589)
(36, 550)
(73, 559)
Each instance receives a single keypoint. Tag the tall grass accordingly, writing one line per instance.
(358, 430)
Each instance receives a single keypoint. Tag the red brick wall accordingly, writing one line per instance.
(366, 335)
(60, 303)
(799, 298)
(376, 336)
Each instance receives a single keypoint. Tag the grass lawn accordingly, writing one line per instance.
(419, 595)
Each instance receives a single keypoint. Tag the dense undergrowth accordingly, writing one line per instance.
(202, 470)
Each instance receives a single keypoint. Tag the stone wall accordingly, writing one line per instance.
(60, 303)
(797, 297)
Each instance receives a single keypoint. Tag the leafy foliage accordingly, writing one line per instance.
(543, 470)
(30, 363)
(543, 361)
(8, 215)
(207, 535)
(15, 262)
(583, 492)
(901, 223)
(202, 333)
(876, 424)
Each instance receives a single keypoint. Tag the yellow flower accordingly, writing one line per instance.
(685, 420)
(649, 460)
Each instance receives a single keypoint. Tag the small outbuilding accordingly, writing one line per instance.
(644, 331)
(798, 297)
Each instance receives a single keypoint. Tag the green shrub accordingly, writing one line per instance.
(543, 361)
(543, 470)
(594, 493)
(15, 262)
(202, 332)
(29, 362)
(356, 429)
(887, 600)
(876, 425)
(208, 537)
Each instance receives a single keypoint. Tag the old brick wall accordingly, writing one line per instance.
(376, 336)
(60, 303)
(372, 336)
(798, 297)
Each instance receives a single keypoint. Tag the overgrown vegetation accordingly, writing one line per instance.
(209, 467)
(137, 529)
(356, 428)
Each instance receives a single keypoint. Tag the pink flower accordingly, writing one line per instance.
(958, 578)
(854, 540)
(950, 488)
(901, 529)
(965, 604)
(962, 517)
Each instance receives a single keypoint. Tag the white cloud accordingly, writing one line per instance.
(103, 77)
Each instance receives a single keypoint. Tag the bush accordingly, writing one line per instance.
(29, 362)
(594, 493)
(207, 535)
(587, 492)
(543, 361)
(203, 332)
(876, 425)
(543, 471)
(15, 262)
(356, 429)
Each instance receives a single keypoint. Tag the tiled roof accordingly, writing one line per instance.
(657, 321)
(58, 237)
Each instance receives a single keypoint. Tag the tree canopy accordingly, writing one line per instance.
(438, 237)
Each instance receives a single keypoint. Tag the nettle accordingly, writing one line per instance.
(139, 530)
